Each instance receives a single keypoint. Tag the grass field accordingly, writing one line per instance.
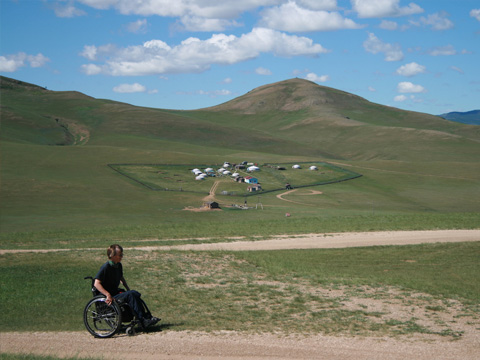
(64, 196)
(180, 177)
(250, 291)
(418, 173)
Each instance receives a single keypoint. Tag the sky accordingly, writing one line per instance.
(419, 55)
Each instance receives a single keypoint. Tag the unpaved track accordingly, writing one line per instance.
(334, 240)
(313, 241)
(202, 346)
(175, 345)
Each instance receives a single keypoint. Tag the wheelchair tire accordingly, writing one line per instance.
(100, 319)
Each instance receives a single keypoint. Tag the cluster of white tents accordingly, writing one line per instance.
(224, 170)
(296, 166)
(201, 175)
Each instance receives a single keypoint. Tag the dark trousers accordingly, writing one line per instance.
(132, 298)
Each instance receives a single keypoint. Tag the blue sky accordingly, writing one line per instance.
(420, 55)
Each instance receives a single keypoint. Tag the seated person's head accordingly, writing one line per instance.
(114, 251)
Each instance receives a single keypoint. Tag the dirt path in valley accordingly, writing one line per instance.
(309, 241)
(333, 240)
(230, 345)
(188, 345)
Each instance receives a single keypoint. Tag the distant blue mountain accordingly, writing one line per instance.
(469, 117)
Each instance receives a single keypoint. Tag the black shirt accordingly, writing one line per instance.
(110, 275)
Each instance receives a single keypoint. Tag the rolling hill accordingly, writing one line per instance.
(468, 117)
(295, 117)
(418, 170)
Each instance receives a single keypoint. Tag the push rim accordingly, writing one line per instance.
(100, 319)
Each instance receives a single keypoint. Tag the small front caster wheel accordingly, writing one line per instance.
(130, 331)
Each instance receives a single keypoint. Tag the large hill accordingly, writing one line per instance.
(295, 117)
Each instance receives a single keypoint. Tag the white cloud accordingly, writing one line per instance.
(203, 15)
(89, 52)
(38, 60)
(442, 51)
(315, 78)
(388, 25)
(139, 26)
(195, 55)
(383, 8)
(400, 98)
(11, 63)
(214, 93)
(374, 45)
(129, 88)
(225, 9)
(291, 17)
(263, 71)
(411, 69)
(319, 4)
(67, 10)
(457, 69)
(196, 23)
(475, 13)
(408, 87)
(227, 81)
(91, 69)
(372, 89)
(437, 21)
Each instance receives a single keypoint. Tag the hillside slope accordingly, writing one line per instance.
(469, 117)
(294, 117)
(345, 124)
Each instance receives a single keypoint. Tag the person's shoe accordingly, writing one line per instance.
(150, 322)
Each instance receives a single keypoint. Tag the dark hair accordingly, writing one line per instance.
(112, 250)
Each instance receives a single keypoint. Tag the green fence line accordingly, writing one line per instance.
(349, 175)
(112, 166)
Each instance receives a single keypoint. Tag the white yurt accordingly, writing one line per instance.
(226, 172)
(221, 170)
(200, 177)
(235, 174)
(296, 166)
(253, 168)
(195, 170)
(313, 167)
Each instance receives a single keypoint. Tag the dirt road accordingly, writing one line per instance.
(175, 345)
(334, 240)
(230, 345)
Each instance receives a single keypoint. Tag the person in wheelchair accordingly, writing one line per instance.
(107, 282)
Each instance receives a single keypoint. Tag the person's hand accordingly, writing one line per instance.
(109, 299)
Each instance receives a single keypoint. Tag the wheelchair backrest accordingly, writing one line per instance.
(95, 292)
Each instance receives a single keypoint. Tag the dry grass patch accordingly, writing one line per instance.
(225, 292)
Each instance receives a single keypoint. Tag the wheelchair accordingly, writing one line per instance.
(103, 320)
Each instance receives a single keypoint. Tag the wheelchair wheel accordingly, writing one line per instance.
(100, 319)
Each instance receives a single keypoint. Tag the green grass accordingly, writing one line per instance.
(248, 291)
(420, 172)
(231, 223)
(58, 196)
(180, 177)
